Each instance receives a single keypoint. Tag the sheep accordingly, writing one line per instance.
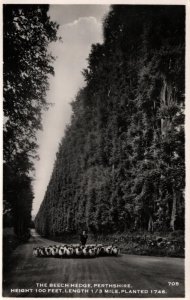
(75, 251)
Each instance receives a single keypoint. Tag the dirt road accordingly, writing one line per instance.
(123, 276)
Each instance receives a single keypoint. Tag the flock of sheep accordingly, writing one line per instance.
(75, 251)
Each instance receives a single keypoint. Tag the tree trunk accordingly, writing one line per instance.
(173, 214)
(166, 100)
(150, 224)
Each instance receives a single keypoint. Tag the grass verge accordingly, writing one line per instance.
(10, 242)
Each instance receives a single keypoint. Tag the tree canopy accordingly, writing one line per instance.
(27, 33)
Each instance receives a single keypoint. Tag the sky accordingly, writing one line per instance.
(80, 27)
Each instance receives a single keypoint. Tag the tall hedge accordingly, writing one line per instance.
(120, 165)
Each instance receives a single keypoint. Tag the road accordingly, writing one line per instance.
(138, 276)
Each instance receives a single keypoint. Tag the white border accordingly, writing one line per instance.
(187, 119)
(108, 2)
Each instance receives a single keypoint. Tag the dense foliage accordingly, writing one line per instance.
(120, 165)
(27, 64)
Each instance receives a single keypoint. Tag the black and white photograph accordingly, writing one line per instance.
(94, 164)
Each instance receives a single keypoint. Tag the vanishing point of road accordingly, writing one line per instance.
(125, 276)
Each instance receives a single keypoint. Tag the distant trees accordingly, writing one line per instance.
(120, 165)
(27, 64)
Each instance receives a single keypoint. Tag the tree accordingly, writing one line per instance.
(27, 64)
